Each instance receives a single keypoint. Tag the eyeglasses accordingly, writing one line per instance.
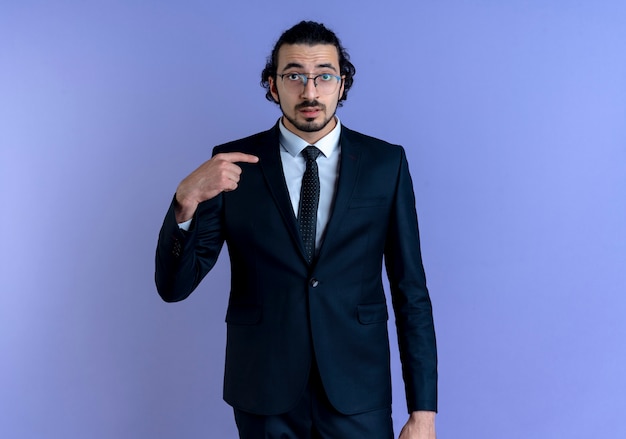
(325, 83)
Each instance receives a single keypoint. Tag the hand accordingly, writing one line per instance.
(213, 177)
(421, 425)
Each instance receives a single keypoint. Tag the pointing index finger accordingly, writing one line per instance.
(236, 157)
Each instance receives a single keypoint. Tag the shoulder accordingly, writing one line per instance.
(372, 145)
(250, 143)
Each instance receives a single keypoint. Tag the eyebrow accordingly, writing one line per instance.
(300, 66)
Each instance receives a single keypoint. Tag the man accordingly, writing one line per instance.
(308, 210)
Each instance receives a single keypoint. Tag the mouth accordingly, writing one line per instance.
(310, 112)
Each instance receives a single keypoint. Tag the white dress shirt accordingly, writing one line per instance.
(294, 165)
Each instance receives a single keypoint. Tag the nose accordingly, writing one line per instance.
(310, 91)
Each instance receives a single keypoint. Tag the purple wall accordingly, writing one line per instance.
(514, 119)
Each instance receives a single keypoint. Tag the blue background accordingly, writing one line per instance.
(513, 116)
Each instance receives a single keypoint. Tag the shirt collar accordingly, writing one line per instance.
(294, 144)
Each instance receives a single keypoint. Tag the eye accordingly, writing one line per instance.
(293, 76)
(326, 77)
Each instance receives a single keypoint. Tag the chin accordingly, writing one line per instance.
(311, 128)
(311, 125)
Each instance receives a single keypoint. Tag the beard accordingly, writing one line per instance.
(309, 125)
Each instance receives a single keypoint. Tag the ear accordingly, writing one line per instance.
(273, 89)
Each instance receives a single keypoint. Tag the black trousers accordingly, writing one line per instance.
(315, 418)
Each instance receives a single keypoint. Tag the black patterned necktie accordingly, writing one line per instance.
(309, 200)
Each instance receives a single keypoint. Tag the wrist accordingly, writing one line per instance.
(184, 209)
(424, 413)
(422, 416)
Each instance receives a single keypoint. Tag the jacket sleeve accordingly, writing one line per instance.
(183, 258)
(410, 298)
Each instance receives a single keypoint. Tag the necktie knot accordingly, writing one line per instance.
(311, 153)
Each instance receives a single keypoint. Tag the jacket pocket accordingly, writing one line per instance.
(372, 313)
(243, 315)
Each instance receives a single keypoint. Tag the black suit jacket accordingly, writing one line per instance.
(284, 313)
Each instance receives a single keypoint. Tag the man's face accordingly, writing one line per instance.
(307, 113)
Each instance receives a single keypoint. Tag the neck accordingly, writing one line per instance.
(310, 137)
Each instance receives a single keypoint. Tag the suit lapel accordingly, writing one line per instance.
(271, 166)
(348, 172)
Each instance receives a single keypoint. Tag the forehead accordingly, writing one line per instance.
(308, 56)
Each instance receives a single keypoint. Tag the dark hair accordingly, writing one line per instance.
(310, 33)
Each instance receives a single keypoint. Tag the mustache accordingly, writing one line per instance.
(307, 104)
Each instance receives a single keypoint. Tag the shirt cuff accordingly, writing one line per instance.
(185, 226)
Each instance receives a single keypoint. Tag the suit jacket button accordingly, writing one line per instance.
(314, 282)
